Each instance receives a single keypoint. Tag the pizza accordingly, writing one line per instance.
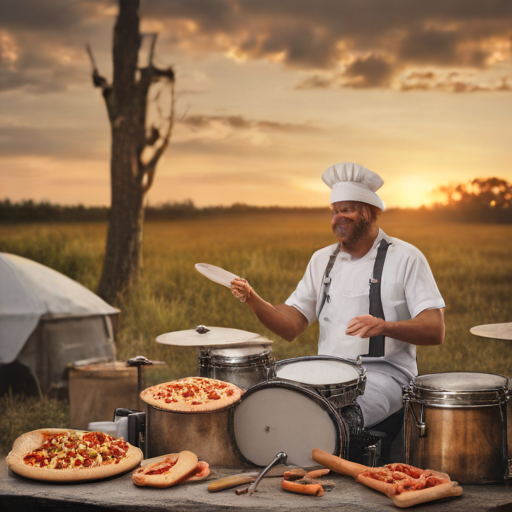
(405, 485)
(63, 455)
(192, 394)
(171, 469)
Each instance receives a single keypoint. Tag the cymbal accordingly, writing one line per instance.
(496, 331)
(211, 336)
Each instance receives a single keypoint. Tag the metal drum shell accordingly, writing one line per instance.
(243, 371)
(465, 433)
(339, 394)
(206, 434)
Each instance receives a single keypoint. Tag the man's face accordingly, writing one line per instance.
(349, 223)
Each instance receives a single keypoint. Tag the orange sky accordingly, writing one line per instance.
(269, 95)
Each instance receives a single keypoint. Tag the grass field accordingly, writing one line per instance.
(472, 264)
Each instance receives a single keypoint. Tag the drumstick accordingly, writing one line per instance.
(345, 467)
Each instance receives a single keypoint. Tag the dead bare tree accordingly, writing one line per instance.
(136, 147)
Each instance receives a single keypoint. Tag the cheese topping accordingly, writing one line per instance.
(192, 390)
(77, 450)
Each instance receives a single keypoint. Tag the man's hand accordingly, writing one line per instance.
(241, 289)
(365, 326)
(427, 328)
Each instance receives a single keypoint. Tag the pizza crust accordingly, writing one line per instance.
(212, 405)
(186, 464)
(30, 441)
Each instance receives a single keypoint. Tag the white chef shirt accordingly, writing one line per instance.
(407, 288)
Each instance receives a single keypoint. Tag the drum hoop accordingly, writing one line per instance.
(462, 398)
(240, 360)
(340, 426)
(350, 362)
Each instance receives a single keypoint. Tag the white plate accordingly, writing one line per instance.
(216, 274)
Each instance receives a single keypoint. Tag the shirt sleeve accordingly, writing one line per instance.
(304, 298)
(421, 291)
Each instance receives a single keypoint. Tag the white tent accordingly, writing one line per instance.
(48, 320)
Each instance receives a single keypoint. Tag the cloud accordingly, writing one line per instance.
(452, 82)
(241, 123)
(323, 37)
(18, 140)
(370, 71)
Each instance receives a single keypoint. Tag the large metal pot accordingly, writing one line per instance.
(457, 423)
(204, 433)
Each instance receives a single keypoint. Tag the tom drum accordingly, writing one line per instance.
(457, 423)
(338, 380)
(242, 365)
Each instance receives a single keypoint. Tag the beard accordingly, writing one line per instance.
(351, 232)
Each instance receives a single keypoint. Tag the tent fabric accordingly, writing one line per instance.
(30, 291)
(56, 343)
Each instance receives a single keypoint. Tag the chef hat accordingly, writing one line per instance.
(353, 182)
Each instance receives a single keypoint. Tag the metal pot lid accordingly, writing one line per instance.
(203, 336)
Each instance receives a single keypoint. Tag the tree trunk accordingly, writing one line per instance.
(131, 178)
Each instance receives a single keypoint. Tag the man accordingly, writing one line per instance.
(406, 306)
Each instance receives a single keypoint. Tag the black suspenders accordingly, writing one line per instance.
(377, 346)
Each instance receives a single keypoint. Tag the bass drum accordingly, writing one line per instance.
(279, 416)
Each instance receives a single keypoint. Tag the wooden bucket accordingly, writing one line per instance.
(96, 390)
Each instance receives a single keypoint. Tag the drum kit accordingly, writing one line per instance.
(458, 422)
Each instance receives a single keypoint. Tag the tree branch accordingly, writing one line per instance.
(102, 82)
(150, 167)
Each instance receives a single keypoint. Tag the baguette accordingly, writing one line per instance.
(337, 464)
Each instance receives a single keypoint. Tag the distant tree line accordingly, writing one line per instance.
(479, 200)
(31, 211)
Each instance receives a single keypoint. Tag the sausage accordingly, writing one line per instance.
(337, 464)
(411, 498)
(311, 489)
(317, 473)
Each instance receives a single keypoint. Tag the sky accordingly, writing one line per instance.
(268, 95)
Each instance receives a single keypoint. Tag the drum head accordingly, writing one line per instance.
(276, 416)
(461, 381)
(460, 389)
(317, 371)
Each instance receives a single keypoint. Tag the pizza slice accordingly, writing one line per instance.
(171, 470)
(405, 485)
(192, 394)
(63, 455)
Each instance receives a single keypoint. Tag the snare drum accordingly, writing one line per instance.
(242, 365)
(281, 416)
(457, 423)
(338, 380)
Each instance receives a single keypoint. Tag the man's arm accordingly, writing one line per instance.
(286, 321)
(425, 329)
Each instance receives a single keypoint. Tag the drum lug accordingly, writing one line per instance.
(420, 425)
(373, 453)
